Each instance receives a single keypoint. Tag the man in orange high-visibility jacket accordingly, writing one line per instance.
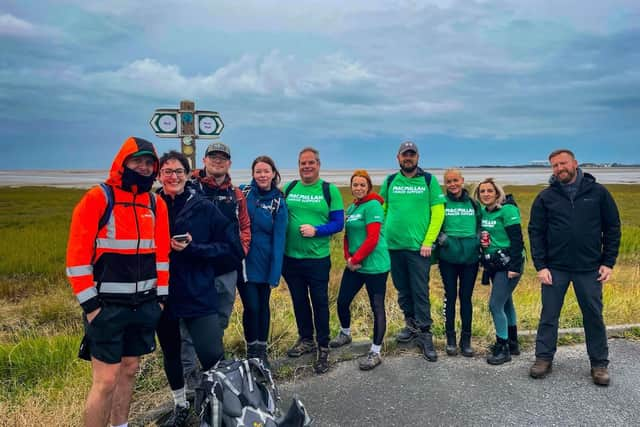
(120, 274)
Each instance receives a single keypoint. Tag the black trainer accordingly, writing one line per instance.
(178, 418)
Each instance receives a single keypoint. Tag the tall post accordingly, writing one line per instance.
(188, 134)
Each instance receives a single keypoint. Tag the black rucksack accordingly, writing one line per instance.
(275, 202)
(242, 393)
(108, 192)
(326, 191)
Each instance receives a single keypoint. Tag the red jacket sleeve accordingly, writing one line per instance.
(244, 221)
(369, 244)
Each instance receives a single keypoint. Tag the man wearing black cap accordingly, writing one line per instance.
(214, 183)
(414, 212)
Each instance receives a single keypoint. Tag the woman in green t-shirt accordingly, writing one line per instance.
(502, 259)
(458, 259)
(368, 263)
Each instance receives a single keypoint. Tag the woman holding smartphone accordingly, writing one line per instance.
(502, 259)
(200, 234)
(263, 265)
(368, 264)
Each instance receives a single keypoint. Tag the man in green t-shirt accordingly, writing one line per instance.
(414, 212)
(316, 211)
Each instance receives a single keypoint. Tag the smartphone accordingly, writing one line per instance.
(182, 238)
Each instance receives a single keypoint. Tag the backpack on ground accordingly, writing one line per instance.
(326, 191)
(242, 393)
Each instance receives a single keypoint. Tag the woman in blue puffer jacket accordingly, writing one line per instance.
(263, 264)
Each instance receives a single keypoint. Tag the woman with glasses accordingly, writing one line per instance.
(502, 259)
(263, 265)
(200, 233)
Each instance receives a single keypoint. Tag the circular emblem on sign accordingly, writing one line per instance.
(187, 140)
(187, 150)
(187, 117)
(207, 125)
(167, 123)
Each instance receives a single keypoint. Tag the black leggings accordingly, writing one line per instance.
(376, 285)
(207, 340)
(465, 275)
(256, 314)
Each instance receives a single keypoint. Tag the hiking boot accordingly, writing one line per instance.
(371, 361)
(408, 333)
(540, 368)
(263, 356)
(499, 352)
(424, 340)
(465, 344)
(451, 348)
(192, 381)
(253, 351)
(321, 365)
(600, 376)
(340, 340)
(178, 418)
(514, 346)
(302, 346)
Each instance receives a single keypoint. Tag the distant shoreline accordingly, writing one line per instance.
(505, 175)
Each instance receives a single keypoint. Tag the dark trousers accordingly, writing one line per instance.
(589, 295)
(206, 334)
(376, 285)
(256, 314)
(410, 274)
(308, 282)
(458, 280)
(501, 305)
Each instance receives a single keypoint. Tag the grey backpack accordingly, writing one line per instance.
(242, 393)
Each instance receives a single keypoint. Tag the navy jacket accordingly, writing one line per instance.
(192, 273)
(269, 217)
(578, 235)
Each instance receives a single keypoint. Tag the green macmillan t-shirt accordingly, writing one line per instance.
(408, 204)
(306, 205)
(357, 219)
(495, 222)
(459, 218)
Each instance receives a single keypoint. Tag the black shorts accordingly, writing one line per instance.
(120, 330)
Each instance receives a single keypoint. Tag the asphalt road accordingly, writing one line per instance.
(455, 391)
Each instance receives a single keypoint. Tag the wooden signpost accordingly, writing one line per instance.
(188, 124)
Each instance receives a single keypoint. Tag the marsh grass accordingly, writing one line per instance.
(42, 382)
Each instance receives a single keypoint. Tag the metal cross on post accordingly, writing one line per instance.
(187, 124)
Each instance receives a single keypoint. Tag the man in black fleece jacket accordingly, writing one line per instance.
(574, 232)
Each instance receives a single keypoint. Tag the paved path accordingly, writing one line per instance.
(409, 391)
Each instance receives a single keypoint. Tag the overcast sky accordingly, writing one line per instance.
(471, 82)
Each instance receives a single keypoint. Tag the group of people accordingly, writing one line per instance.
(168, 263)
